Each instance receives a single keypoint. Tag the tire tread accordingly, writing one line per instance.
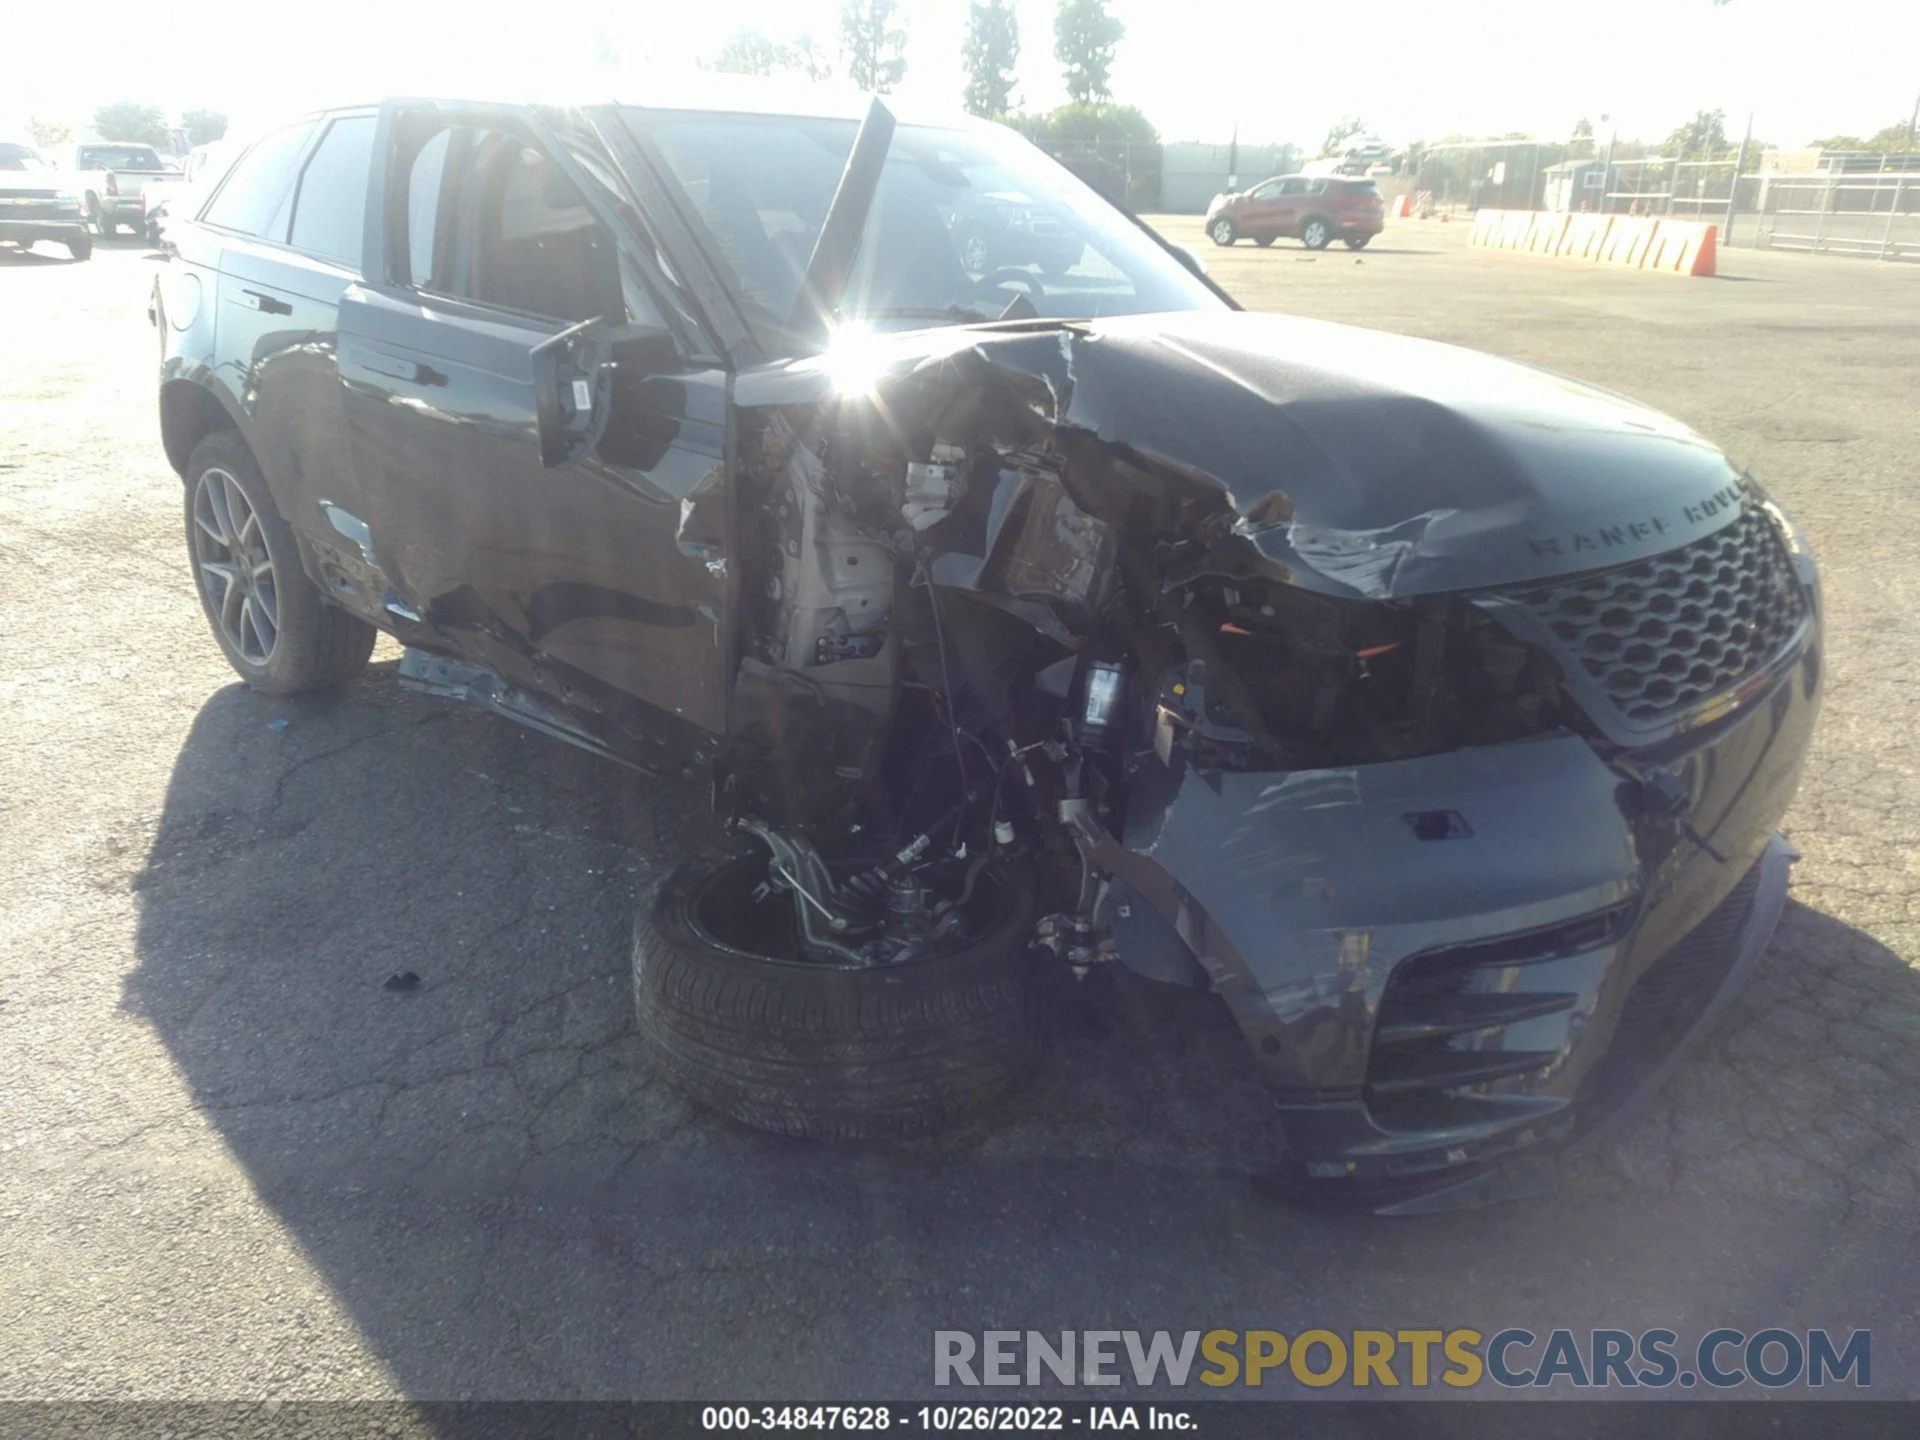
(831, 1054)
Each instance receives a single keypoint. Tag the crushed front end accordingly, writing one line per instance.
(1437, 714)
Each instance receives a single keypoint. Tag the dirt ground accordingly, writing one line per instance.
(232, 1163)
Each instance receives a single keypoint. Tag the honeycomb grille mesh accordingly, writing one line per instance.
(1662, 635)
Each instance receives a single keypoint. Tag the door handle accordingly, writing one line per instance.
(266, 304)
(411, 371)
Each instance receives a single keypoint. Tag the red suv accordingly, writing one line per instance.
(1312, 208)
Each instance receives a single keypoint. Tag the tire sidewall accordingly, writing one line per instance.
(286, 670)
(1223, 231)
(823, 1054)
(1314, 241)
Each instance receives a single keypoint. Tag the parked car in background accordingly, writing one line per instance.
(38, 203)
(1314, 209)
(110, 176)
(1434, 712)
(1013, 231)
(165, 200)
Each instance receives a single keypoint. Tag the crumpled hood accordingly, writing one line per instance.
(1364, 463)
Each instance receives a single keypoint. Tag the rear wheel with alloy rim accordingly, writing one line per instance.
(1316, 233)
(276, 629)
(975, 255)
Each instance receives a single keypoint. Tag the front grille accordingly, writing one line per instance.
(1666, 1001)
(1663, 635)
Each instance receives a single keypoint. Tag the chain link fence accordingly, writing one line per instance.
(1843, 212)
(1127, 172)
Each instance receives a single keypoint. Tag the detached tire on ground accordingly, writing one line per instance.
(824, 1053)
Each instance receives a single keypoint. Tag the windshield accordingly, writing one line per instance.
(965, 223)
(118, 157)
(19, 157)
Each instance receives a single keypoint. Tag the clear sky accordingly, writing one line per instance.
(1281, 71)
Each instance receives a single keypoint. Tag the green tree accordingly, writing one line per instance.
(1336, 136)
(991, 51)
(129, 121)
(809, 55)
(203, 127)
(1704, 135)
(1084, 37)
(1896, 139)
(1581, 146)
(1114, 148)
(1089, 122)
(874, 45)
(749, 52)
(46, 133)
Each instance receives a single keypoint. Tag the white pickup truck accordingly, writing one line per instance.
(167, 201)
(110, 174)
(37, 203)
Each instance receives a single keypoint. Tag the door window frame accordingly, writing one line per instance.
(327, 121)
(387, 241)
(316, 123)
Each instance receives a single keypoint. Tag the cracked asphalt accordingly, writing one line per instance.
(234, 1164)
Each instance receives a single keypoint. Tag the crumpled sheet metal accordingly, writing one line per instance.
(1300, 892)
(1356, 463)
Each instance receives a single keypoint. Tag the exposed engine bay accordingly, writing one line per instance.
(968, 630)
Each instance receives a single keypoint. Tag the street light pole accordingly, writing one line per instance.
(1733, 189)
(1606, 168)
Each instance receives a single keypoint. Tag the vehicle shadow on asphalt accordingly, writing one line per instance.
(29, 259)
(385, 943)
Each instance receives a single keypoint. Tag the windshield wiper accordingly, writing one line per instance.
(832, 260)
(952, 314)
(1019, 308)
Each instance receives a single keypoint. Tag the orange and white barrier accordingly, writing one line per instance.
(1685, 247)
(1633, 242)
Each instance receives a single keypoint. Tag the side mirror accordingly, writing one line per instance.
(1187, 258)
(572, 383)
(574, 387)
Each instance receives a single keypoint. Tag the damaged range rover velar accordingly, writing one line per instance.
(1435, 712)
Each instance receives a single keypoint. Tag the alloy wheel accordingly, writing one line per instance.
(1315, 235)
(235, 567)
(1222, 232)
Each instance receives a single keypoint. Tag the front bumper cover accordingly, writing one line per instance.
(1452, 968)
(52, 227)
